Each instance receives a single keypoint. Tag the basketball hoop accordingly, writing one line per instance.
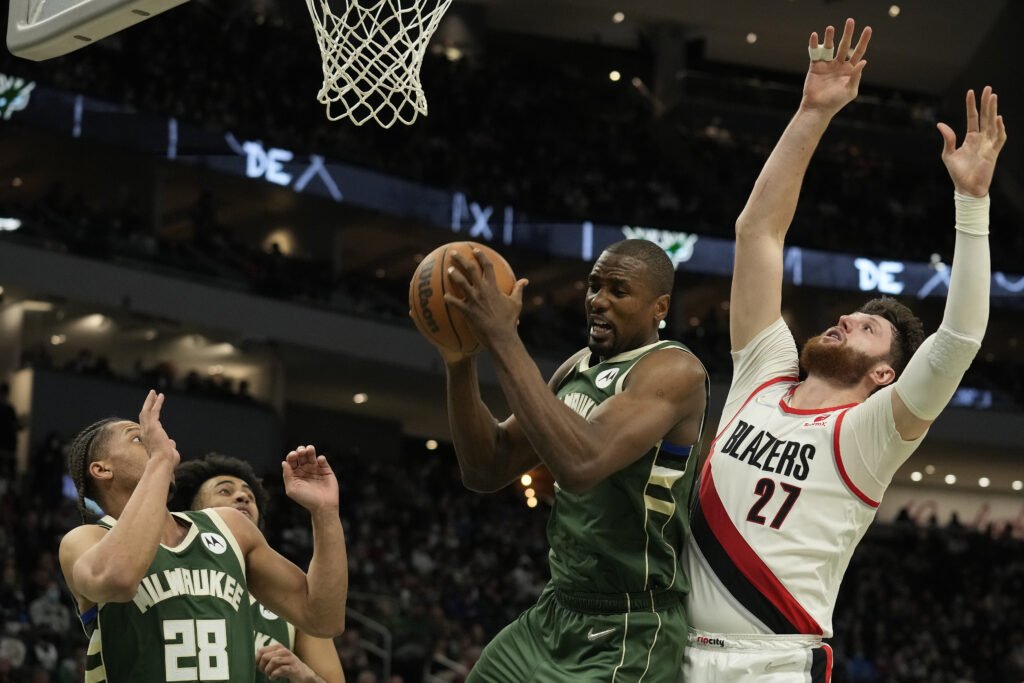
(372, 52)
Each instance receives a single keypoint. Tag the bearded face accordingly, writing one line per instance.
(837, 363)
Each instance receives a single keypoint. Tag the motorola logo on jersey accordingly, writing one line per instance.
(769, 453)
(215, 543)
(606, 377)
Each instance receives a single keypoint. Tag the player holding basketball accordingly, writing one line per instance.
(615, 425)
(283, 652)
(164, 597)
(794, 476)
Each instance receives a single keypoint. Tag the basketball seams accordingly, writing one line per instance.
(429, 286)
(444, 289)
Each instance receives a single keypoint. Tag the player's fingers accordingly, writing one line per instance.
(989, 107)
(845, 41)
(456, 276)
(948, 139)
(972, 112)
(830, 34)
(454, 301)
(862, 45)
(1001, 140)
(856, 73)
(486, 267)
(517, 290)
(465, 265)
(812, 42)
(148, 403)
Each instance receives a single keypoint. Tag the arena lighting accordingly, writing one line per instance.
(58, 339)
(10, 224)
(984, 482)
(431, 445)
(1017, 485)
(915, 476)
(614, 76)
(37, 306)
(929, 469)
(149, 335)
(751, 38)
(529, 493)
(360, 398)
(894, 11)
(618, 17)
(950, 479)
(531, 502)
(526, 480)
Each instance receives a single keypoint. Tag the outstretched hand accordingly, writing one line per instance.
(152, 433)
(489, 312)
(971, 166)
(831, 85)
(309, 480)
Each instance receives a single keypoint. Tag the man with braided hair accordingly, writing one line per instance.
(795, 476)
(164, 597)
(283, 652)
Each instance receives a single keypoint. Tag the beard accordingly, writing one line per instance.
(835, 362)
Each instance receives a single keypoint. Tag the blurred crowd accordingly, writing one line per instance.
(441, 570)
(536, 125)
(161, 376)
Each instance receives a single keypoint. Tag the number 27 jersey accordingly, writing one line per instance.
(784, 497)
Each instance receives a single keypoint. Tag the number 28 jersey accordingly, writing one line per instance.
(784, 497)
(190, 619)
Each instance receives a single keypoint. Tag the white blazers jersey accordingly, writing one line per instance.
(777, 516)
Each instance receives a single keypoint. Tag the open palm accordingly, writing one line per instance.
(309, 480)
(831, 85)
(971, 166)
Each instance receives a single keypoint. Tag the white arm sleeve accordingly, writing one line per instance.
(933, 374)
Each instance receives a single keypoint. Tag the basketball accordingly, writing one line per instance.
(440, 323)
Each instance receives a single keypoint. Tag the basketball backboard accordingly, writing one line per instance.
(43, 29)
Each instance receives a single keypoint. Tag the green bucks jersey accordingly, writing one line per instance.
(270, 629)
(626, 534)
(190, 618)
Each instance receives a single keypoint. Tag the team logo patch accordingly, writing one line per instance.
(267, 614)
(215, 543)
(606, 377)
(819, 421)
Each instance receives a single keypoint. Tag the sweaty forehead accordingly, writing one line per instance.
(612, 265)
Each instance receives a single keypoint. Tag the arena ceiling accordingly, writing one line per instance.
(923, 48)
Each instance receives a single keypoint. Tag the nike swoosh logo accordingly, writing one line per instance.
(599, 634)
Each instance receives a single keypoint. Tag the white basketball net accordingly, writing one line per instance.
(372, 53)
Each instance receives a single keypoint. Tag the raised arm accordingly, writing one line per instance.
(756, 299)
(107, 566)
(933, 374)
(313, 601)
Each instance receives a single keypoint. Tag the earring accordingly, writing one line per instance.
(661, 325)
